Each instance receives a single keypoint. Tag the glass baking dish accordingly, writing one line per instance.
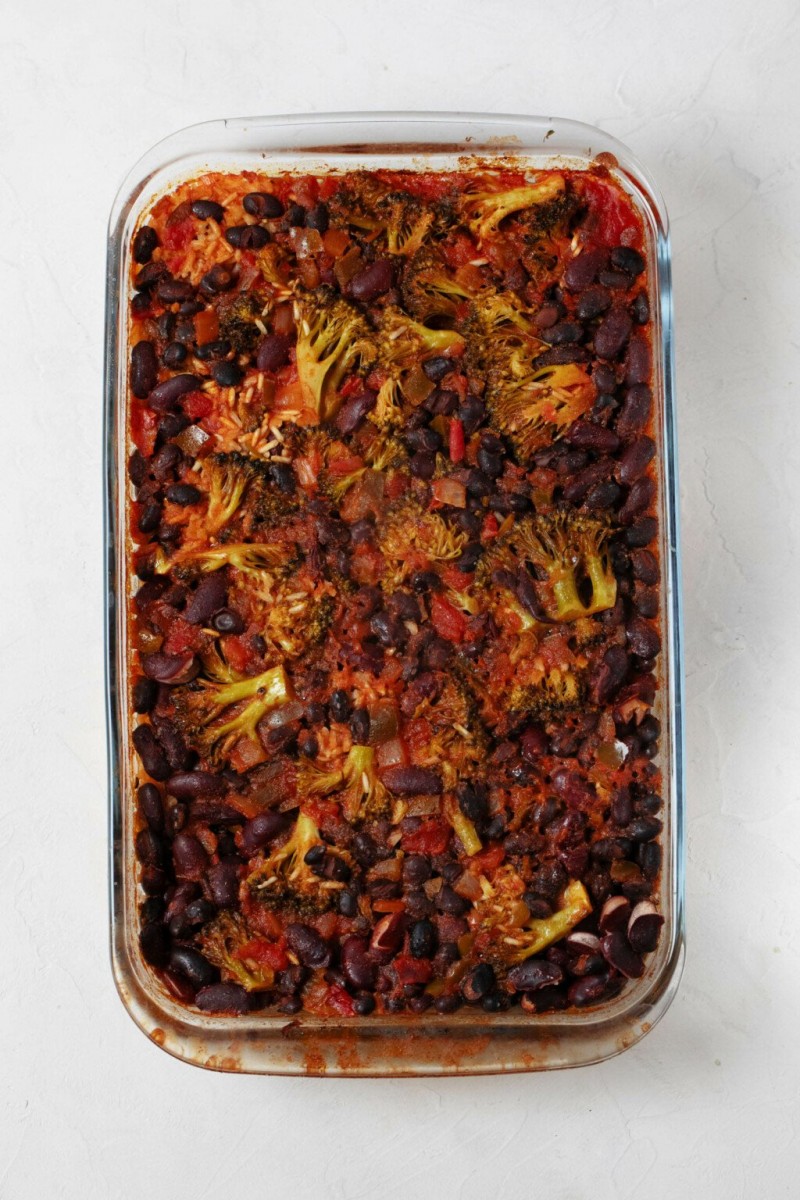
(467, 1042)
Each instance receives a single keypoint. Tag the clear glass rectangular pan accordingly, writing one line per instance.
(467, 1042)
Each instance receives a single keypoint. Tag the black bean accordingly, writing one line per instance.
(625, 258)
(422, 465)
(340, 705)
(363, 1004)
(372, 281)
(223, 998)
(478, 485)
(184, 332)
(589, 990)
(644, 829)
(564, 333)
(618, 952)
(153, 881)
(247, 237)
(219, 279)
(273, 352)
(422, 939)
(602, 496)
(144, 369)
(150, 848)
(144, 243)
(359, 726)
(166, 395)
(643, 639)
(617, 280)
(478, 983)
(312, 949)
(149, 276)
(149, 521)
(490, 462)
(637, 362)
(174, 354)
(295, 216)
(258, 832)
(413, 781)
(609, 675)
(436, 368)
(468, 559)
(183, 494)
(154, 942)
(227, 374)
(416, 870)
(228, 621)
(154, 760)
(534, 973)
(558, 355)
(473, 800)
(612, 333)
(449, 902)
(640, 309)
(317, 218)
(191, 964)
(263, 205)
(593, 303)
(206, 210)
(354, 411)
(581, 271)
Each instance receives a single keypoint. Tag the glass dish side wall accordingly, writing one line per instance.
(468, 1042)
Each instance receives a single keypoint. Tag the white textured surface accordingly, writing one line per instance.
(705, 93)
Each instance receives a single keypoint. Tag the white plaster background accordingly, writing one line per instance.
(706, 94)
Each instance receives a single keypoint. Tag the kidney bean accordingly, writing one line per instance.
(189, 857)
(219, 279)
(644, 565)
(273, 352)
(532, 974)
(609, 675)
(170, 668)
(635, 460)
(191, 785)
(614, 914)
(154, 760)
(643, 639)
(263, 205)
(591, 989)
(209, 596)
(413, 781)
(358, 969)
(144, 369)
(644, 829)
(611, 849)
(150, 848)
(154, 942)
(388, 934)
(645, 600)
(173, 291)
(153, 881)
(223, 998)
(247, 237)
(166, 395)
(559, 355)
(312, 949)
(191, 964)
(422, 465)
(602, 496)
(149, 276)
(593, 303)
(207, 210)
(644, 927)
(144, 243)
(642, 532)
(617, 280)
(625, 258)
(637, 363)
(295, 217)
(612, 333)
(589, 436)
(619, 954)
(436, 368)
(144, 695)
(261, 830)
(635, 412)
(640, 309)
(638, 499)
(354, 411)
(478, 983)
(372, 281)
(151, 807)
(564, 333)
(223, 883)
(582, 271)
(359, 726)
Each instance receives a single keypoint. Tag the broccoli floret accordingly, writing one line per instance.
(403, 342)
(574, 574)
(532, 405)
(388, 410)
(356, 786)
(228, 477)
(202, 708)
(295, 620)
(224, 943)
(409, 530)
(558, 692)
(484, 211)
(238, 321)
(406, 223)
(430, 292)
(286, 882)
(464, 828)
(357, 205)
(457, 746)
(333, 339)
(248, 557)
(514, 935)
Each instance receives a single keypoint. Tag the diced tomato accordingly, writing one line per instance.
(237, 652)
(144, 428)
(179, 235)
(396, 484)
(487, 860)
(432, 837)
(456, 440)
(340, 1001)
(335, 242)
(448, 622)
(615, 220)
(412, 970)
(459, 249)
(346, 464)
(246, 754)
(353, 385)
(490, 526)
(268, 954)
(181, 637)
(197, 405)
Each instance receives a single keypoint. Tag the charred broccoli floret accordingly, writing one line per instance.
(297, 619)
(514, 935)
(409, 531)
(356, 785)
(248, 557)
(224, 705)
(285, 881)
(556, 693)
(406, 223)
(570, 554)
(483, 212)
(224, 943)
(430, 292)
(333, 339)
(403, 342)
(228, 476)
(240, 321)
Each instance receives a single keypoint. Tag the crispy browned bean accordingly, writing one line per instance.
(223, 998)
